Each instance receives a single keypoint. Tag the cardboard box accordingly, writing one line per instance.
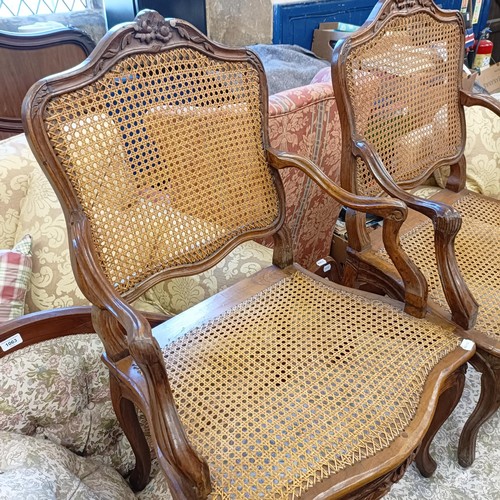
(327, 35)
(468, 81)
(489, 78)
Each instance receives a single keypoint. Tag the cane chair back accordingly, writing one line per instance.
(282, 386)
(126, 140)
(401, 81)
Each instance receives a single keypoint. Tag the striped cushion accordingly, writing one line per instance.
(15, 272)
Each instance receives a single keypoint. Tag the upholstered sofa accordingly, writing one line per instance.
(59, 437)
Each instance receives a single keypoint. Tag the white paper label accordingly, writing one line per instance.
(467, 344)
(321, 262)
(327, 268)
(11, 342)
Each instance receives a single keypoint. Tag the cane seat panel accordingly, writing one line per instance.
(165, 143)
(402, 89)
(286, 377)
(475, 246)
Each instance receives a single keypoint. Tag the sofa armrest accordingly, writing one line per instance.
(305, 121)
(45, 325)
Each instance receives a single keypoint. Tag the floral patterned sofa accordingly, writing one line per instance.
(59, 437)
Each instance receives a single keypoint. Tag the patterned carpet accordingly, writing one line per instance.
(450, 481)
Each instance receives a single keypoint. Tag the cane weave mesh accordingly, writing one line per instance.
(165, 154)
(403, 88)
(298, 383)
(478, 255)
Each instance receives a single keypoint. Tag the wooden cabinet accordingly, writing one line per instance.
(294, 23)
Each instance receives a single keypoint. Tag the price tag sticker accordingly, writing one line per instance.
(11, 342)
(467, 344)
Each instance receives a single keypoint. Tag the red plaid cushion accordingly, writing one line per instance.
(15, 273)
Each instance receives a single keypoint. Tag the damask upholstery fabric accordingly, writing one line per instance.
(482, 151)
(42, 470)
(63, 389)
(305, 121)
(16, 165)
(59, 435)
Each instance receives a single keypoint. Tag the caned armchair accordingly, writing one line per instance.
(398, 86)
(282, 386)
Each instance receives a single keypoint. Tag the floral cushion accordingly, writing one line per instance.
(59, 390)
(59, 435)
(41, 469)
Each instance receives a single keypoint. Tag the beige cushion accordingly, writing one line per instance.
(52, 280)
(37, 468)
(16, 164)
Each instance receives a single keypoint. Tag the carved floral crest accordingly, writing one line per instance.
(149, 26)
(404, 5)
(408, 4)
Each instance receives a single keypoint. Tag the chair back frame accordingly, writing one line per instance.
(383, 17)
(150, 34)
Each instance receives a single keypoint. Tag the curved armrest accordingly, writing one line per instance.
(444, 217)
(447, 222)
(383, 207)
(45, 325)
(394, 213)
(469, 99)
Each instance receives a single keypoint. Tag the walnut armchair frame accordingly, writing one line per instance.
(157, 147)
(398, 86)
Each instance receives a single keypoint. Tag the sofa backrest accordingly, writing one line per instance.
(16, 165)
(29, 205)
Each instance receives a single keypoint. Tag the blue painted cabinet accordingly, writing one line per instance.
(295, 23)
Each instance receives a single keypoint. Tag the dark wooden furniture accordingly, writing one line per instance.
(28, 57)
(398, 85)
(282, 384)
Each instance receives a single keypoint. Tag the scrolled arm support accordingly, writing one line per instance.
(188, 473)
(382, 207)
(447, 222)
(439, 213)
(394, 213)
